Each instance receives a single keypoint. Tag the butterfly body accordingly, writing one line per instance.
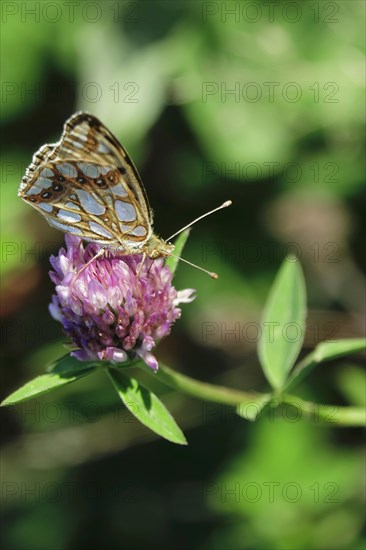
(87, 185)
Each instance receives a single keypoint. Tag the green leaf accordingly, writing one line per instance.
(172, 261)
(146, 407)
(44, 384)
(325, 351)
(351, 384)
(69, 365)
(283, 324)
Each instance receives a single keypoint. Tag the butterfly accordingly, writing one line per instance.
(87, 185)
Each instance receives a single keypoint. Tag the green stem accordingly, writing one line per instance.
(328, 414)
(302, 369)
(203, 390)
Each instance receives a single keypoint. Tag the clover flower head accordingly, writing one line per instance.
(110, 308)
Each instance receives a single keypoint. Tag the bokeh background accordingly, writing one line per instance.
(262, 103)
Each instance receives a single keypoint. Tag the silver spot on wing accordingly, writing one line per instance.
(99, 230)
(88, 169)
(104, 170)
(67, 170)
(39, 185)
(125, 211)
(47, 207)
(47, 172)
(72, 205)
(138, 231)
(43, 183)
(89, 203)
(66, 228)
(67, 216)
(103, 148)
(79, 135)
(119, 191)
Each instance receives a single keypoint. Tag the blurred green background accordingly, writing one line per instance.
(262, 103)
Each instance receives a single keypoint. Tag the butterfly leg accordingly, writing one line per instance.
(144, 256)
(97, 255)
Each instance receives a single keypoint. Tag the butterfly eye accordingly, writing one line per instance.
(46, 195)
(80, 179)
(60, 178)
(58, 187)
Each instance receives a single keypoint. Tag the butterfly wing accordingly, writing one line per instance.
(87, 185)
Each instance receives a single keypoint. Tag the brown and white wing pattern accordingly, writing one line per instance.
(87, 185)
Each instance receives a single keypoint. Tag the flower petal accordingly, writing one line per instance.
(115, 355)
(185, 296)
(148, 358)
(97, 294)
(107, 310)
(54, 309)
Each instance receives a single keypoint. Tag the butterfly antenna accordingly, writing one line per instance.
(223, 205)
(210, 273)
